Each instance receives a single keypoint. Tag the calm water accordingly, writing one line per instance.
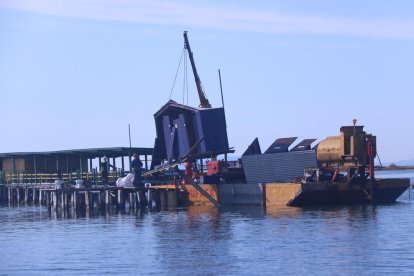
(344, 240)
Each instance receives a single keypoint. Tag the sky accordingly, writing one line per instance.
(75, 73)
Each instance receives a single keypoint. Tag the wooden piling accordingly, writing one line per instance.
(17, 195)
(62, 200)
(87, 200)
(106, 199)
(121, 200)
(172, 198)
(131, 200)
(10, 194)
(26, 195)
(54, 199)
(163, 198)
(141, 200)
(48, 199)
(149, 198)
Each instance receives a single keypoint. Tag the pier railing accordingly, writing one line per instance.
(19, 177)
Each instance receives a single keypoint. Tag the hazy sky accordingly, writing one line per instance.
(75, 73)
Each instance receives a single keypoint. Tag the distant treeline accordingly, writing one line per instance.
(394, 166)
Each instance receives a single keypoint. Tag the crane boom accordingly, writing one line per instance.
(203, 100)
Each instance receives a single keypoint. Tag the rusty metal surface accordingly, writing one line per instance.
(281, 194)
(212, 198)
(330, 149)
(196, 197)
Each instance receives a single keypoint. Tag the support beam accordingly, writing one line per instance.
(14, 165)
(57, 163)
(35, 168)
(67, 164)
(80, 166)
(90, 164)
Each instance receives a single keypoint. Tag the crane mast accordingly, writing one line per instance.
(203, 100)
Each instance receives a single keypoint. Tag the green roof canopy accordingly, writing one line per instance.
(87, 153)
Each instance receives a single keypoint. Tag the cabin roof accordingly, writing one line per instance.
(175, 107)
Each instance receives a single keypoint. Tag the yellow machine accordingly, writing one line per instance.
(354, 148)
(352, 152)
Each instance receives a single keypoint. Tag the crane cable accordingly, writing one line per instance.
(379, 160)
(176, 74)
(185, 79)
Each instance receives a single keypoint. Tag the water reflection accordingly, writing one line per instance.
(241, 240)
(283, 211)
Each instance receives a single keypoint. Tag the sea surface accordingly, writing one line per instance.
(320, 240)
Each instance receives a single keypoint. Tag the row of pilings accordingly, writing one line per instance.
(85, 200)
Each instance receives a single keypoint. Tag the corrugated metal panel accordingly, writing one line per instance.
(276, 167)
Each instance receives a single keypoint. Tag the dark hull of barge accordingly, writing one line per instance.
(300, 194)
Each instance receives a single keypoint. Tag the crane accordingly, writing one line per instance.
(203, 99)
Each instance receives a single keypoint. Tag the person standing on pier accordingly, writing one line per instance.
(104, 166)
(136, 166)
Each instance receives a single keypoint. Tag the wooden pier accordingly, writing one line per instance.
(88, 199)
